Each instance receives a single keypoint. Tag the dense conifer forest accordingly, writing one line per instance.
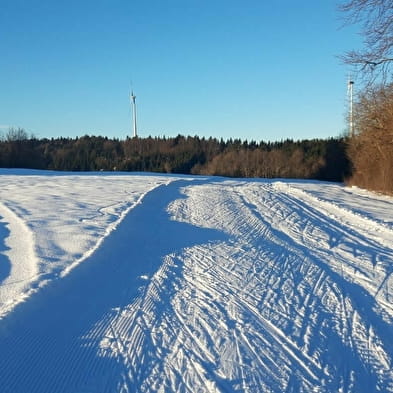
(311, 159)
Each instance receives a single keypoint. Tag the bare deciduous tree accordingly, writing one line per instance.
(376, 19)
(16, 134)
(371, 150)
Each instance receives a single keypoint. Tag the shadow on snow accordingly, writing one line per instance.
(5, 265)
(43, 341)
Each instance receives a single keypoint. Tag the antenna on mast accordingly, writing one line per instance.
(133, 105)
(350, 99)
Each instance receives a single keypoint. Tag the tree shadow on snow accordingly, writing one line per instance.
(5, 265)
(51, 342)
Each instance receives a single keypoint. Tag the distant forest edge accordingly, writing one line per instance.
(308, 159)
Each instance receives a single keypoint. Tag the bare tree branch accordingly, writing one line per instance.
(376, 20)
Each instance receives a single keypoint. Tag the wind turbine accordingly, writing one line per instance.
(133, 104)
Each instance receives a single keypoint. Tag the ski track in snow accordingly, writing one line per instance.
(213, 285)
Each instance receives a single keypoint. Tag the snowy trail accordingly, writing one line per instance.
(293, 287)
(50, 343)
(214, 285)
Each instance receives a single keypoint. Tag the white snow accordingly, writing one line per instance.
(57, 221)
(148, 283)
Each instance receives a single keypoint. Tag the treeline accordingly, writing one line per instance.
(312, 159)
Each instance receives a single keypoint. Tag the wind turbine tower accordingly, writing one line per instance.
(133, 104)
(350, 98)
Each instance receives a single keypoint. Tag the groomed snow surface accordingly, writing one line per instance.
(147, 283)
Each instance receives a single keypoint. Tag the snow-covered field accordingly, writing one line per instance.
(147, 283)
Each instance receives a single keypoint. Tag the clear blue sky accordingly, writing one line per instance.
(252, 69)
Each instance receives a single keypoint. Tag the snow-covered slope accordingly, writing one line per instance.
(194, 285)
